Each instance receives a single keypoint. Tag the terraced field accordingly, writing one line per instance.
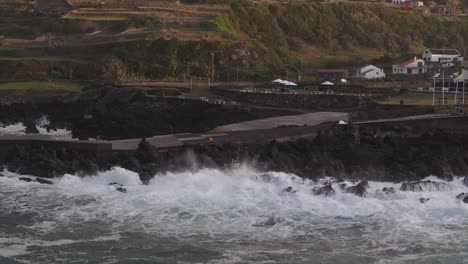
(160, 11)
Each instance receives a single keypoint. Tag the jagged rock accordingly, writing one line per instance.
(289, 189)
(424, 200)
(31, 128)
(343, 186)
(465, 181)
(419, 186)
(389, 190)
(465, 200)
(326, 190)
(360, 189)
(115, 183)
(462, 196)
(121, 189)
(26, 179)
(43, 181)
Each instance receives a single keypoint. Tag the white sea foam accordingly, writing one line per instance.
(41, 125)
(246, 205)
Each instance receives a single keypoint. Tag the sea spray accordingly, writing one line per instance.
(41, 125)
(240, 214)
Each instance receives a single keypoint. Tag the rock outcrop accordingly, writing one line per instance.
(359, 189)
(427, 185)
(326, 190)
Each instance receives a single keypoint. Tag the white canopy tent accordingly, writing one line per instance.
(327, 83)
(290, 83)
(278, 81)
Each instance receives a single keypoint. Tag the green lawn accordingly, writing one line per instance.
(20, 47)
(40, 85)
(46, 58)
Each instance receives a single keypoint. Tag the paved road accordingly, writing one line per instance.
(310, 119)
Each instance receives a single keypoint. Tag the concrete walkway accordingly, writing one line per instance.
(310, 119)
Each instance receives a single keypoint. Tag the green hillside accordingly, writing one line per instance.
(262, 40)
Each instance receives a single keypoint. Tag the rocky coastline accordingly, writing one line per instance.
(337, 151)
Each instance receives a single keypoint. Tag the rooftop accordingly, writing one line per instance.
(444, 51)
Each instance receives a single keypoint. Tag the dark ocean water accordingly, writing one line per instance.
(213, 216)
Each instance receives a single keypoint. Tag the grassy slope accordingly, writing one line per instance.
(270, 39)
(266, 40)
(284, 30)
(40, 85)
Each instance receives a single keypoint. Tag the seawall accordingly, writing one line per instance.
(305, 101)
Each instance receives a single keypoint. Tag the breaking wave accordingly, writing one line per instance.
(41, 125)
(236, 216)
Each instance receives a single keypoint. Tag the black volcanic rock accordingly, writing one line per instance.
(465, 181)
(115, 183)
(389, 190)
(465, 200)
(424, 200)
(44, 181)
(289, 189)
(360, 189)
(419, 186)
(462, 196)
(26, 179)
(121, 189)
(326, 190)
(31, 128)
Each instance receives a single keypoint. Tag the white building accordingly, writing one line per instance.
(370, 72)
(413, 66)
(442, 56)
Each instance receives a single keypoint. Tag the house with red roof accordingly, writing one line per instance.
(440, 57)
(410, 67)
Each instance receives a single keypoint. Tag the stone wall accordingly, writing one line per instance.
(305, 101)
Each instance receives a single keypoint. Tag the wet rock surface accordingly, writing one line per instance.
(44, 181)
(360, 189)
(326, 190)
(419, 186)
(462, 196)
(289, 189)
(26, 179)
(389, 190)
(121, 189)
(424, 200)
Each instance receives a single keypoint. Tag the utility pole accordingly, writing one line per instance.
(443, 87)
(191, 84)
(212, 66)
(433, 90)
(237, 72)
(287, 75)
(300, 76)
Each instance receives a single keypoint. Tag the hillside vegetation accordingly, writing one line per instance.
(338, 28)
(246, 41)
(269, 39)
